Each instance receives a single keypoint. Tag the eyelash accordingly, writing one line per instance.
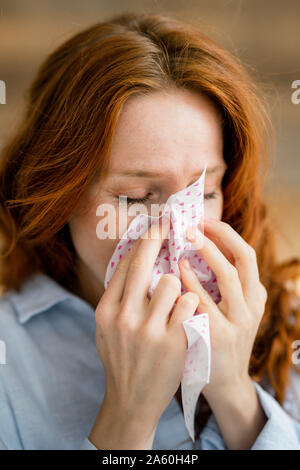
(208, 196)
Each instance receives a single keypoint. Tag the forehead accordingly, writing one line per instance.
(167, 130)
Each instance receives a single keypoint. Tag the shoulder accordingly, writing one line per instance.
(37, 294)
(7, 311)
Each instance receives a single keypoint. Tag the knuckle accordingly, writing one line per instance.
(137, 262)
(171, 281)
(126, 310)
(251, 253)
(124, 319)
(152, 329)
(101, 312)
(264, 292)
(124, 325)
(225, 224)
(122, 266)
(190, 300)
(100, 318)
(226, 227)
(231, 273)
(151, 332)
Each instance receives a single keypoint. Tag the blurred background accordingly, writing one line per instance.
(265, 35)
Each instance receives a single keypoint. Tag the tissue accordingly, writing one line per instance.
(184, 208)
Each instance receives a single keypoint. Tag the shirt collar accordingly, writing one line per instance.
(37, 294)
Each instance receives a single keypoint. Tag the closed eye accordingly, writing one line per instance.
(130, 200)
(211, 195)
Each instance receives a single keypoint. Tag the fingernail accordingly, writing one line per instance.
(186, 264)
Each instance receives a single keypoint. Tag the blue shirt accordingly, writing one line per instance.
(52, 381)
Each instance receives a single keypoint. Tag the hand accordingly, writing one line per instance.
(141, 342)
(235, 319)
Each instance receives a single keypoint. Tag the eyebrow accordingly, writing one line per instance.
(155, 174)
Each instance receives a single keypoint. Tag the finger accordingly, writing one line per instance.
(220, 245)
(183, 310)
(192, 284)
(244, 256)
(227, 275)
(141, 265)
(116, 284)
(167, 291)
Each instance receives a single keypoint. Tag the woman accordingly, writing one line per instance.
(134, 106)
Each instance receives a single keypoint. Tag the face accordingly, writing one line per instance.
(160, 145)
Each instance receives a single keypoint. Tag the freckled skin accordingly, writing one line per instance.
(171, 133)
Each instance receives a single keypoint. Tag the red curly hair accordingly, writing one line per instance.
(64, 142)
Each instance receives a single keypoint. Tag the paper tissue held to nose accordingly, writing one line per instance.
(184, 208)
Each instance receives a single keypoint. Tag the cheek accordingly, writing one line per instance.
(92, 251)
(83, 236)
(214, 208)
